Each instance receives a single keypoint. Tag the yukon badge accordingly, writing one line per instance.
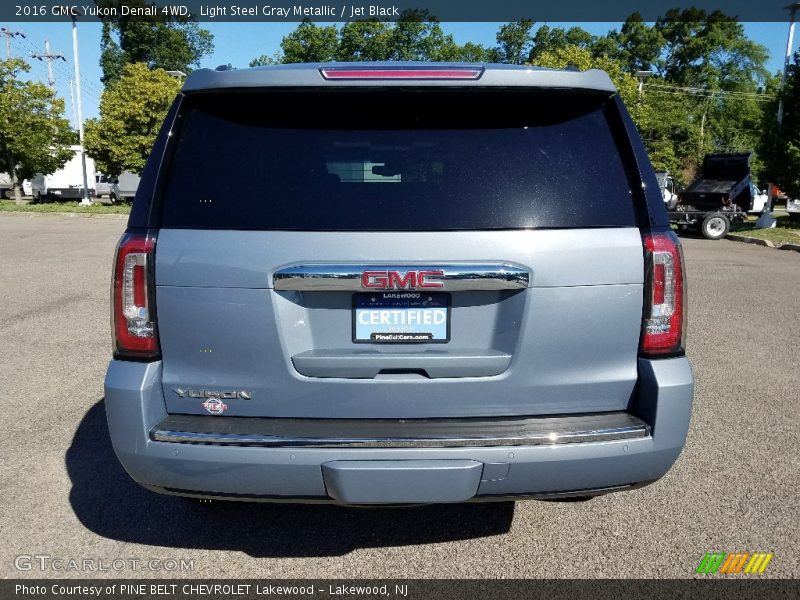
(219, 395)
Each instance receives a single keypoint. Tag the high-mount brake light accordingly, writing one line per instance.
(133, 300)
(468, 73)
(665, 295)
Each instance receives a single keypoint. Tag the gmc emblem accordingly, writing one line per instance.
(388, 280)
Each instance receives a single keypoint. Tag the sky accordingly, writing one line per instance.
(239, 43)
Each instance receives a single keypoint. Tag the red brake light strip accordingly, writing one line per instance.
(468, 73)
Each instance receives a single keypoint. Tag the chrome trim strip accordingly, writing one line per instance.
(634, 431)
(455, 277)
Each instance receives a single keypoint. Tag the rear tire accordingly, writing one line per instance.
(715, 226)
(113, 198)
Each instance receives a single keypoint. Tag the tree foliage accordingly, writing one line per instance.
(703, 96)
(415, 36)
(637, 45)
(709, 50)
(131, 112)
(781, 144)
(549, 40)
(169, 43)
(310, 43)
(514, 42)
(34, 135)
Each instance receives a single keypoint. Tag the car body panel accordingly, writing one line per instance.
(582, 309)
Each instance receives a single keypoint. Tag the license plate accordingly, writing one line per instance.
(401, 318)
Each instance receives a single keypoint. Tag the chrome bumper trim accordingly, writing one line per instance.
(448, 277)
(408, 433)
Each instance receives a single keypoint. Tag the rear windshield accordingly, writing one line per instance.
(395, 160)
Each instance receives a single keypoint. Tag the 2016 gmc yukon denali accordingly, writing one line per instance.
(398, 283)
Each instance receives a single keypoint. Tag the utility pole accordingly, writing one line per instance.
(766, 220)
(49, 57)
(85, 201)
(72, 105)
(8, 34)
(792, 8)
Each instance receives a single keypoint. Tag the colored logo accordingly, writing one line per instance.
(387, 280)
(215, 406)
(734, 562)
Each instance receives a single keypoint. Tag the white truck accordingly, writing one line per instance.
(667, 186)
(67, 182)
(5, 186)
(793, 208)
(7, 192)
(759, 200)
(121, 188)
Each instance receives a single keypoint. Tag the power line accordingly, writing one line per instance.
(8, 34)
(695, 91)
(61, 69)
(757, 99)
(49, 57)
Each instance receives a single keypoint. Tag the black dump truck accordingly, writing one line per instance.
(723, 193)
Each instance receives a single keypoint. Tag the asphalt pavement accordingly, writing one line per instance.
(734, 488)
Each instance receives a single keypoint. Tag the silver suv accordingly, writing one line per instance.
(398, 283)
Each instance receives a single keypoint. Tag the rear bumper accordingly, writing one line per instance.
(508, 465)
(69, 193)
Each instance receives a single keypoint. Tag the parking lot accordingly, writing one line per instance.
(735, 487)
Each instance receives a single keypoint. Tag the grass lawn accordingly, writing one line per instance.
(785, 231)
(60, 207)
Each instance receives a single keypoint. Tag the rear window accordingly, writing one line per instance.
(395, 160)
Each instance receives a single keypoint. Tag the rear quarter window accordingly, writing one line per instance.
(395, 160)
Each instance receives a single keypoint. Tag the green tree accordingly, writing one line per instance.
(415, 36)
(266, 60)
(637, 45)
(419, 36)
(34, 136)
(474, 53)
(514, 42)
(668, 125)
(704, 97)
(551, 39)
(163, 42)
(131, 112)
(780, 146)
(364, 40)
(709, 50)
(310, 43)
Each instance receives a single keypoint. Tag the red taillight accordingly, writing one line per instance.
(132, 298)
(401, 72)
(665, 289)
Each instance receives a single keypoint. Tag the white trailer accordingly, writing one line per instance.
(67, 182)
